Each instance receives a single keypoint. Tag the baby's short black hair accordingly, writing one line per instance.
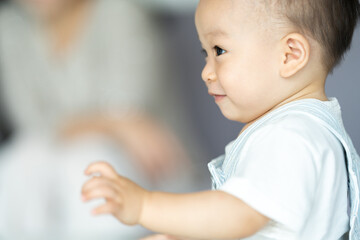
(330, 22)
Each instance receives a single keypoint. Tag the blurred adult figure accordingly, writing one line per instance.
(83, 80)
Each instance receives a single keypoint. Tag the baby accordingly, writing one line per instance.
(293, 172)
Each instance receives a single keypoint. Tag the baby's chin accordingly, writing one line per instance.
(247, 115)
(237, 117)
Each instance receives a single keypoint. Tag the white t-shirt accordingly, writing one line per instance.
(293, 171)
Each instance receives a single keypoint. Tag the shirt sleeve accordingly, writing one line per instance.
(277, 172)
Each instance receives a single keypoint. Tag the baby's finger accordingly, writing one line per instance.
(159, 237)
(95, 182)
(154, 237)
(107, 208)
(101, 192)
(103, 168)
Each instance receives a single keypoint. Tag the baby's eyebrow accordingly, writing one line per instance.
(216, 33)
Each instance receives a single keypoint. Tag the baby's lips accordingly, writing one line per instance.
(216, 94)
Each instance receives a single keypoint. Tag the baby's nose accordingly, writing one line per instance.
(208, 74)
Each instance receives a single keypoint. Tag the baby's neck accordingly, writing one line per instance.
(315, 90)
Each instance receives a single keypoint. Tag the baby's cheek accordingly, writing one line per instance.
(250, 106)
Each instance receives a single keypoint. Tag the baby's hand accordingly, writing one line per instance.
(124, 199)
(162, 237)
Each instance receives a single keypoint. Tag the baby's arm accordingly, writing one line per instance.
(202, 215)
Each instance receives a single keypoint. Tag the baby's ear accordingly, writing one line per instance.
(294, 55)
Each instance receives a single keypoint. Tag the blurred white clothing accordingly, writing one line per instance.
(170, 5)
(42, 182)
(116, 65)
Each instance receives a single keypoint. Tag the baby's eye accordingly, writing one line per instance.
(219, 51)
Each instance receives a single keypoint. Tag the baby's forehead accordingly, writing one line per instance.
(245, 11)
(232, 15)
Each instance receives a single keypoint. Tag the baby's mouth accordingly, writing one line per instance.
(218, 97)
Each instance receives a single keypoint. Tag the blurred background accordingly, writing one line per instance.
(114, 80)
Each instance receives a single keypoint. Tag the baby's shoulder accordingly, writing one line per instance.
(295, 130)
(292, 141)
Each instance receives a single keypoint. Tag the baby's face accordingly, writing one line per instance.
(242, 60)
